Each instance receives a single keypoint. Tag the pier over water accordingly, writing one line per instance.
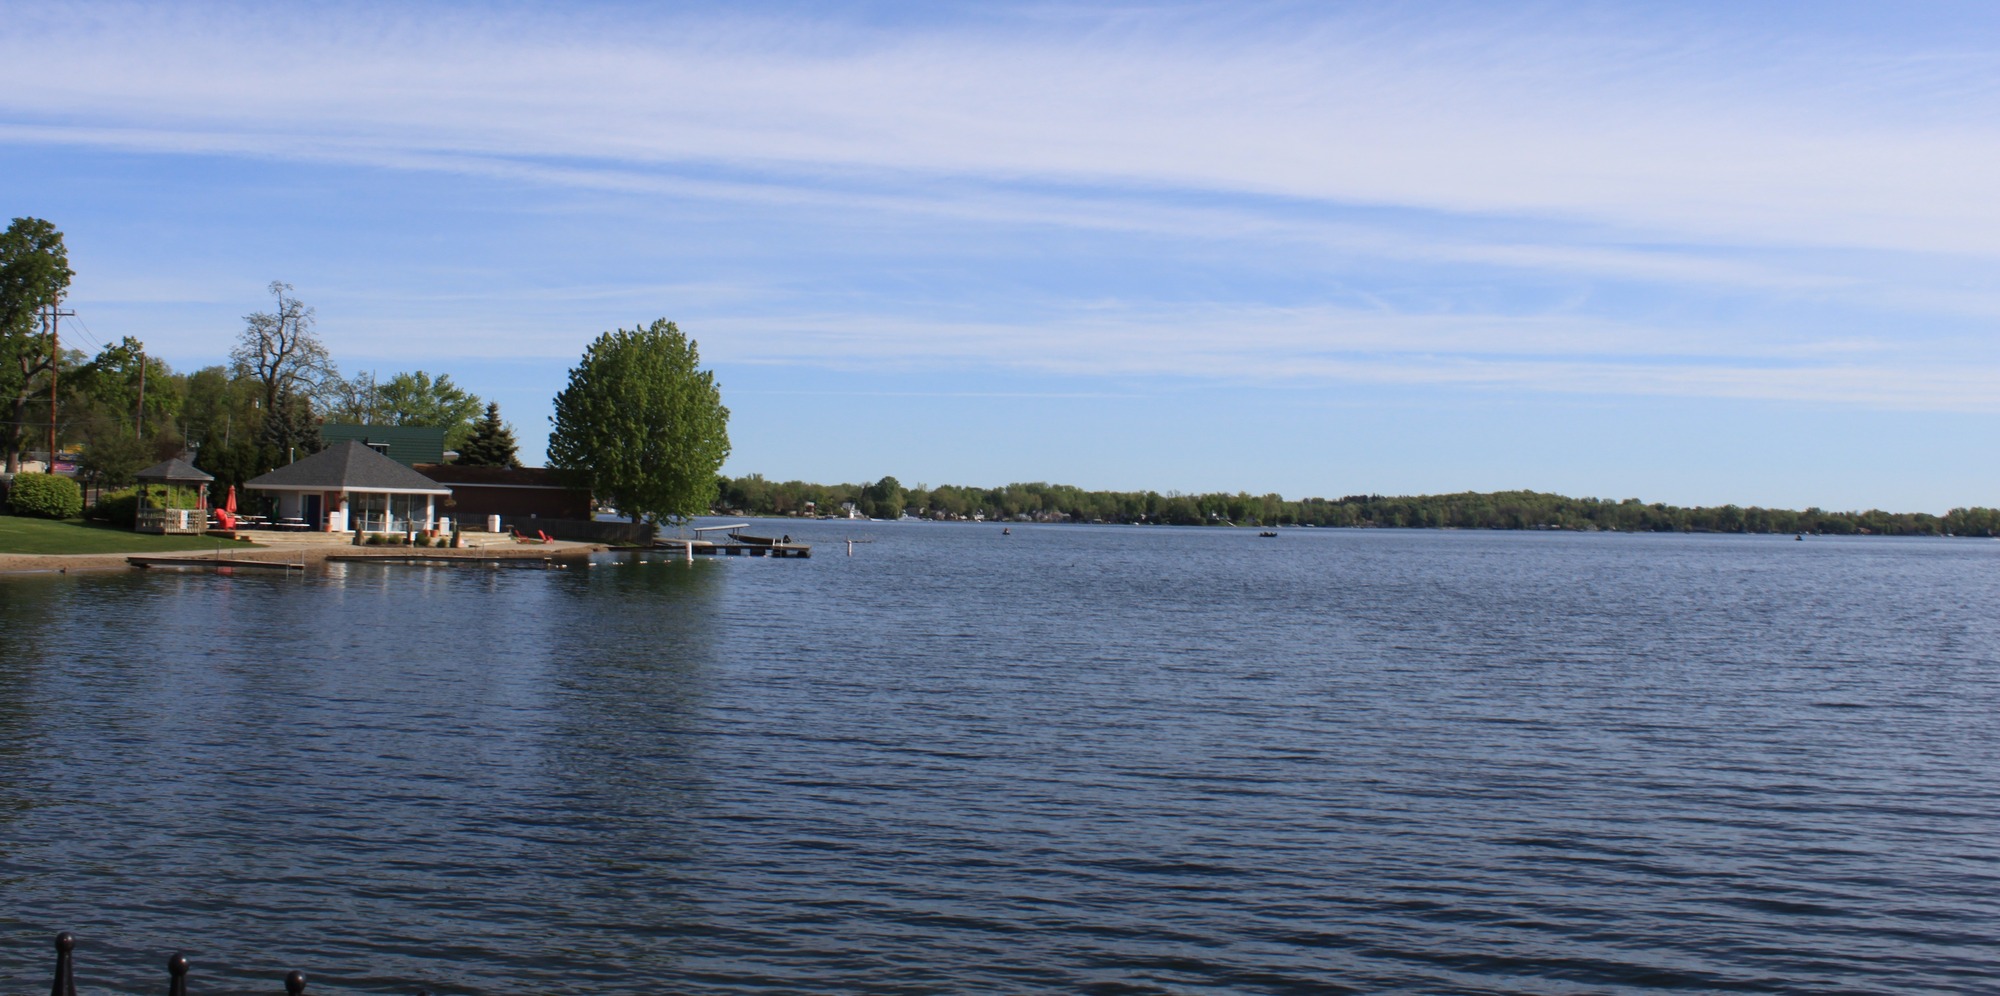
(731, 541)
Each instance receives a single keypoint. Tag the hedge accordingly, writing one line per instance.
(46, 496)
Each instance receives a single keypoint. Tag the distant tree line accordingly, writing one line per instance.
(888, 499)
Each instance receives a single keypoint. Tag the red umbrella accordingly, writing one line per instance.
(227, 515)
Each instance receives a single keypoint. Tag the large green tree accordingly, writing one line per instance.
(34, 273)
(883, 499)
(642, 425)
(417, 398)
(221, 410)
(125, 385)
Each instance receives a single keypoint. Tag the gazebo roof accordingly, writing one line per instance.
(175, 471)
(348, 466)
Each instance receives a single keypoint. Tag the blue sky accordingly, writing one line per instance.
(1691, 253)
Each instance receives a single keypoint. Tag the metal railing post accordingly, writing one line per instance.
(177, 971)
(65, 984)
(177, 967)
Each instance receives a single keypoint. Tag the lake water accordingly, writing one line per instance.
(1079, 759)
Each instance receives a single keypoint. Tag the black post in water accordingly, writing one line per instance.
(295, 983)
(65, 984)
(177, 966)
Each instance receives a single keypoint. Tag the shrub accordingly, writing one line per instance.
(47, 496)
(120, 508)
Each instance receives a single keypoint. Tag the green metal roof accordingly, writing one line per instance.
(409, 445)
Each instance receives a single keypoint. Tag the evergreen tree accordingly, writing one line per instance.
(492, 443)
(290, 431)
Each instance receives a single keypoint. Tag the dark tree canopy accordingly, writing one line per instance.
(290, 431)
(883, 499)
(492, 442)
(642, 425)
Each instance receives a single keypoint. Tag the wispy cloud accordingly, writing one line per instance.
(1746, 162)
(1673, 132)
(1318, 345)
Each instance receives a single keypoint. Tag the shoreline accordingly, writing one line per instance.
(307, 553)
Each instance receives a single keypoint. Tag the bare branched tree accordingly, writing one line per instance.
(278, 349)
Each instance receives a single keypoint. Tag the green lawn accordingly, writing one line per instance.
(46, 536)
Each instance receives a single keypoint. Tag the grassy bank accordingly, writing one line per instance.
(44, 537)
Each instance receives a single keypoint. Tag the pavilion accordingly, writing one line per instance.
(351, 485)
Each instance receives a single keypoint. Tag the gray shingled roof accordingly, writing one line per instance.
(175, 470)
(348, 466)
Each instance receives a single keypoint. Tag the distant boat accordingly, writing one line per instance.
(1267, 534)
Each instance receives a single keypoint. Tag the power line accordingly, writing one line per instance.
(91, 337)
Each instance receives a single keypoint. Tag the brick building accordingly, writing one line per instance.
(512, 493)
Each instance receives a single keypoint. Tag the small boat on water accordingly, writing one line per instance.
(1267, 534)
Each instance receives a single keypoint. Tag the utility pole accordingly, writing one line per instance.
(139, 416)
(54, 316)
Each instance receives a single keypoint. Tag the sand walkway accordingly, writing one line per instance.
(310, 549)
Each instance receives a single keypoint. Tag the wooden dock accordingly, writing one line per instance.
(213, 562)
(423, 561)
(711, 548)
(734, 544)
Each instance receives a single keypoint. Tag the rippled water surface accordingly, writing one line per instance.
(1084, 759)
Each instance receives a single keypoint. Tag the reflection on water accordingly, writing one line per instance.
(1115, 760)
(32, 607)
(443, 758)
